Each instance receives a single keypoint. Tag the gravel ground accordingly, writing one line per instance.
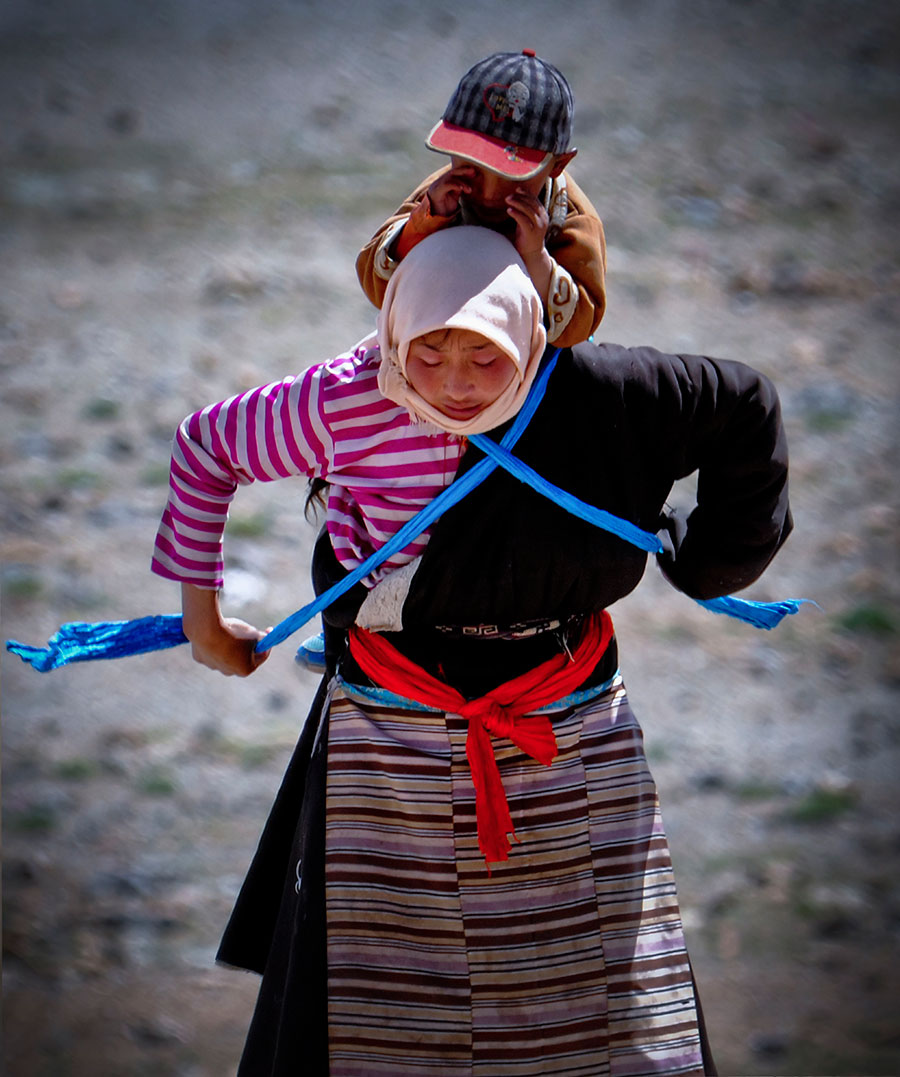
(183, 194)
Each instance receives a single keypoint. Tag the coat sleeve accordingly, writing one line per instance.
(721, 419)
(579, 248)
(374, 264)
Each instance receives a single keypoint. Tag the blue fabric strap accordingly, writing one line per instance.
(79, 642)
(758, 614)
(598, 517)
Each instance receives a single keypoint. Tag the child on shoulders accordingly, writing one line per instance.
(507, 130)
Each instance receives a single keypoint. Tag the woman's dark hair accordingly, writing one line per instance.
(436, 337)
(315, 497)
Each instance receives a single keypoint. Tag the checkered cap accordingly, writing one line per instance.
(516, 98)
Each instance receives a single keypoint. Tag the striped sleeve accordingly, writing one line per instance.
(271, 432)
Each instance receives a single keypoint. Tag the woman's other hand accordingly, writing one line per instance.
(225, 644)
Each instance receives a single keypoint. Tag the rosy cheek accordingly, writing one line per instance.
(423, 379)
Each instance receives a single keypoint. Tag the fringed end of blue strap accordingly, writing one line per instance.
(759, 614)
(80, 641)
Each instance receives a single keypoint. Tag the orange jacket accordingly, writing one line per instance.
(574, 240)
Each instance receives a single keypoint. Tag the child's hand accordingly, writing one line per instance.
(445, 192)
(532, 222)
(224, 644)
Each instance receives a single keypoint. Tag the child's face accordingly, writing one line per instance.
(458, 371)
(487, 193)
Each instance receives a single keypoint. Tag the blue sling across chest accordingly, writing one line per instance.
(81, 641)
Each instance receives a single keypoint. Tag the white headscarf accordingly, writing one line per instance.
(461, 278)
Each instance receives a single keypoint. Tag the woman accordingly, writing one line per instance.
(465, 869)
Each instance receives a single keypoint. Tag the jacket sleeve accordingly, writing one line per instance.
(374, 264)
(723, 420)
(271, 432)
(579, 249)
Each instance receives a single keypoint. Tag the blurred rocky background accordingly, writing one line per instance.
(184, 188)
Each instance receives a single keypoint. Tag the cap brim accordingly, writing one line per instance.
(513, 162)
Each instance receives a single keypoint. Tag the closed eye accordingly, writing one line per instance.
(485, 357)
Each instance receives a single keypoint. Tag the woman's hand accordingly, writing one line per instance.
(225, 644)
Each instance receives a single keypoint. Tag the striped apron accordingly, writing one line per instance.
(568, 958)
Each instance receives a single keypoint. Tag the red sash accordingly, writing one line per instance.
(503, 712)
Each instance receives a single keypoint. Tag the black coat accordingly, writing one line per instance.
(617, 427)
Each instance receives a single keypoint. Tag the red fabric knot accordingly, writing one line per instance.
(492, 715)
(505, 712)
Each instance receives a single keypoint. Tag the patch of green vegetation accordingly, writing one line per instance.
(824, 421)
(157, 782)
(77, 769)
(78, 478)
(154, 475)
(101, 409)
(252, 526)
(755, 789)
(676, 633)
(277, 315)
(246, 754)
(22, 588)
(871, 1058)
(869, 618)
(256, 755)
(723, 862)
(823, 806)
(656, 752)
(39, 818)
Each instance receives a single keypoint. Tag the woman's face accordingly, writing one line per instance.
(458, 371)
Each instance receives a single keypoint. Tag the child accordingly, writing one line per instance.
(507, 130)
(385, 942)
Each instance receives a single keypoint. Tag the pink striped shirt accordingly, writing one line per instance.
(331, 422)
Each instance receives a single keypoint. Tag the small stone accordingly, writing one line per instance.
(205, 362)
(709, 782)
(842, 544)
(277, 701)
(156, 1032)
(132, 739)
(890, 669)
(233, 286)
(392, 139)
(728, 944)
(764, 660)
(242, 173)
(769, 1044)
(123, 121)
(59, 99)
(69, 296)
(779, 880)
(808, 351)
(836, 924)
(868, 581)
(881, 519)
